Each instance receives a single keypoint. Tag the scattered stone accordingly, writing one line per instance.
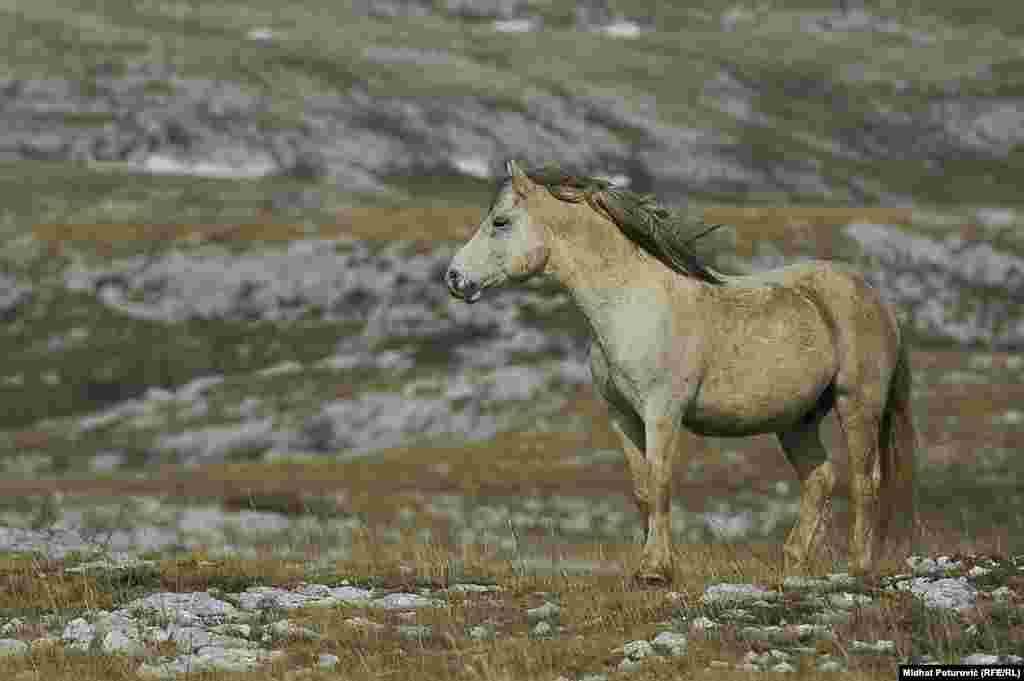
(12, 297)
(515, 25)
(216, 443)
(474, 588)
(327, 661)
(955, 593)
(78, 634)
(880, 647)
(732, 593)
(995, 217)
(53, 543)
(264, 598)
(183, 607)
(485, 9)
(670, 643)
(404, 601)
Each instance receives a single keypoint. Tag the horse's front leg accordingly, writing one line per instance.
(664, 430)
(630, 429)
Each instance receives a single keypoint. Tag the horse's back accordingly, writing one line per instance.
(841, 293)
(816, 273)
(863, 331)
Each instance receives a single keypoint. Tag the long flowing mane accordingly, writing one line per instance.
(643, 220)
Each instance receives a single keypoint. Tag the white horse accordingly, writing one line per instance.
(679, 345)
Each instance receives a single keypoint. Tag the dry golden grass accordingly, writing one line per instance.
(792, 228)
(599, 614)
(118, 232)
(365, 223)
(25, 582)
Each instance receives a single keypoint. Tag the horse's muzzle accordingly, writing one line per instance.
(462, 288)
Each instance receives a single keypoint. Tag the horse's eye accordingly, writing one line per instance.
(501, 222)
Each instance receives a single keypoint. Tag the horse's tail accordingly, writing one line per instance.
(897, 455)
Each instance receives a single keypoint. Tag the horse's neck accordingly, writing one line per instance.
(620, 299)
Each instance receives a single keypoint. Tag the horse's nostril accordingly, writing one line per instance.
(453, 276)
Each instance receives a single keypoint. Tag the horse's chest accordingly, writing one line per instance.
(635, 347)
(623, 378)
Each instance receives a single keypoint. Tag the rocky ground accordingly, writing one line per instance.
(238, 630)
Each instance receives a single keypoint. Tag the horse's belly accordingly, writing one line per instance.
(766, 400)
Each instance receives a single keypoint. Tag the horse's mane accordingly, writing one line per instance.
(643, 220)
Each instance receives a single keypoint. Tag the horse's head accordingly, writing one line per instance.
(509, 245)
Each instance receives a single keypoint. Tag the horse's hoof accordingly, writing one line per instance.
(651, 579)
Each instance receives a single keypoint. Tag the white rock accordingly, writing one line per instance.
(327, 661)
(117, 641)
(951, 593)
(403, 601)
(719, 593)
(670, 643)
(78, 634)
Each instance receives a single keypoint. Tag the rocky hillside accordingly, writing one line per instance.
(873, 105)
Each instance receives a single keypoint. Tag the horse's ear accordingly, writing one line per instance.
(520, 182)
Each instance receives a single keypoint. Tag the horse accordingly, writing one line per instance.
(678, 345)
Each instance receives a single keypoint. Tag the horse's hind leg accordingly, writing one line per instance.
(860, 416)
(804, 450)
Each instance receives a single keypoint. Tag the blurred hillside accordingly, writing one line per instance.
(326, 103)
